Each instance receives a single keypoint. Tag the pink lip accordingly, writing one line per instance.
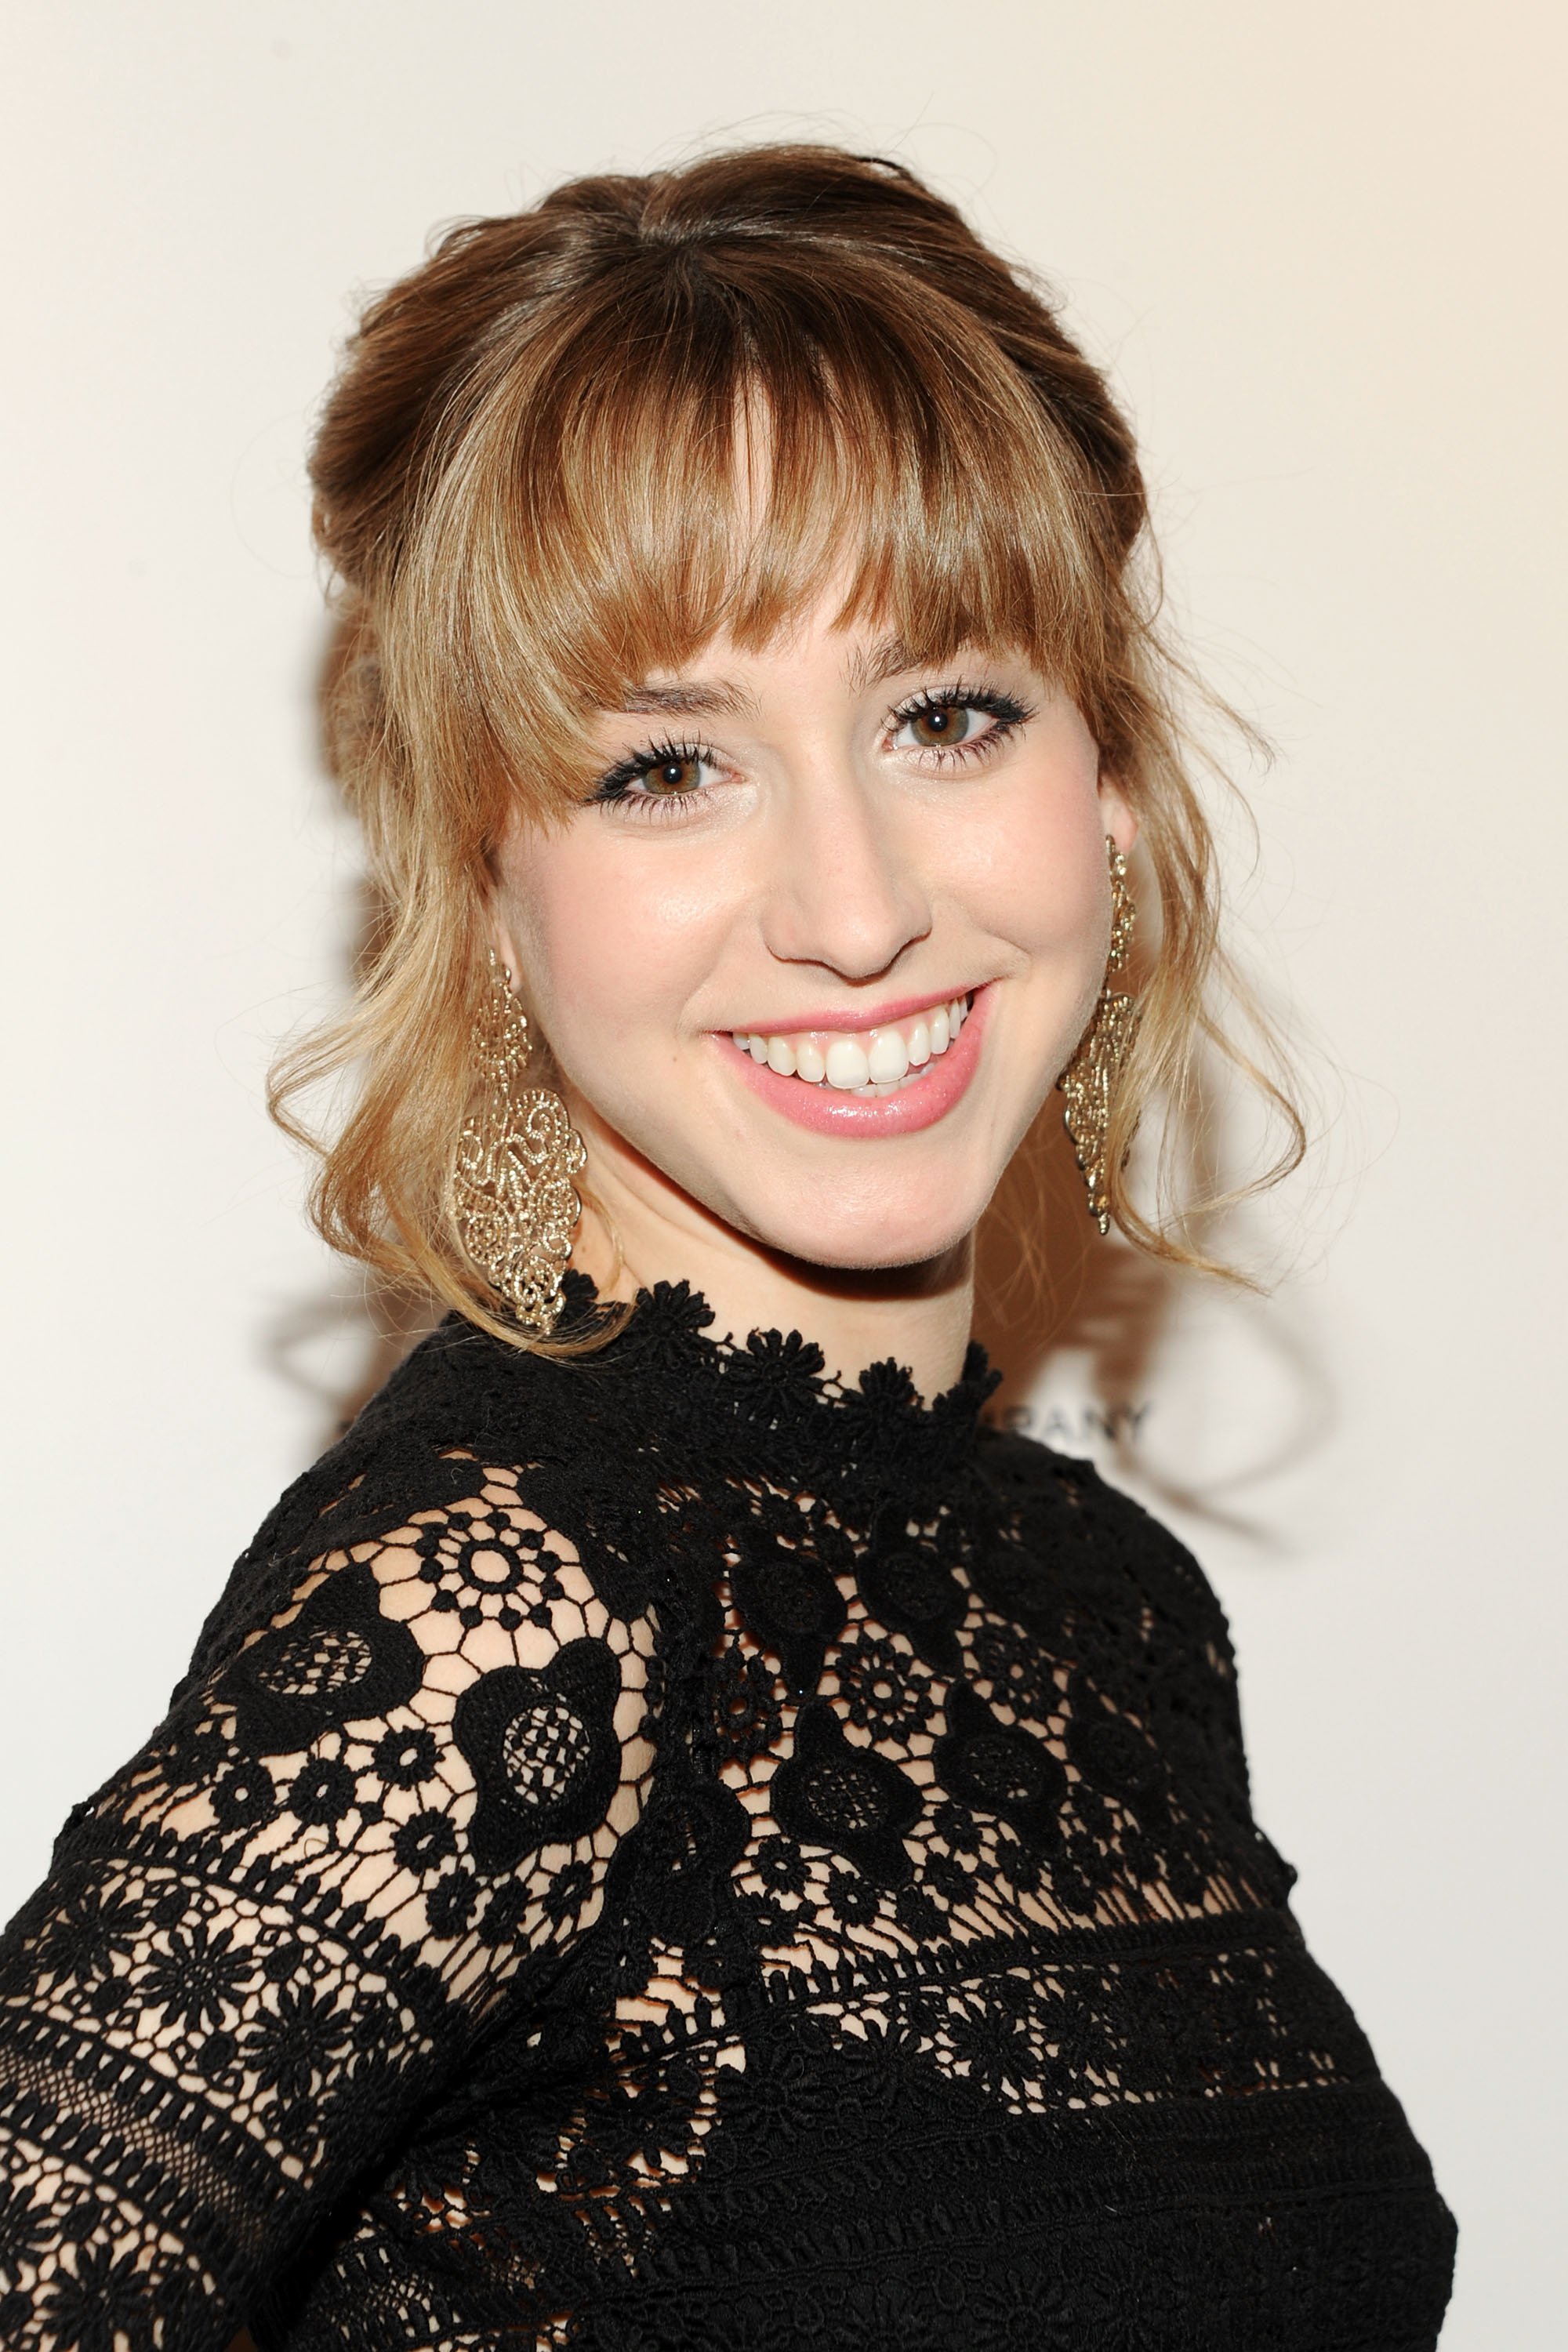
(828, 1112)
(803, 1024)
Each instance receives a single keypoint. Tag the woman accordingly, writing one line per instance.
(670, 1838)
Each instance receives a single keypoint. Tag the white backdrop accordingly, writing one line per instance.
(1319, 247)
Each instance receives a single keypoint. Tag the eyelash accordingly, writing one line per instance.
(613, 788)
(1008, 714)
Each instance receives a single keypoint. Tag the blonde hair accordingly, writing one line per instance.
(529, 483)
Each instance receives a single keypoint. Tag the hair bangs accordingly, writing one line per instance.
(713, 449)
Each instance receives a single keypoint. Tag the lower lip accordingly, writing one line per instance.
(826, 1111)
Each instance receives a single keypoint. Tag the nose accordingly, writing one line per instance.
(843, 890)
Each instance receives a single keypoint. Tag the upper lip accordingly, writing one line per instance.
(846, 1020)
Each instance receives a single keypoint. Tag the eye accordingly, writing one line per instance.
(667, 773)
(966, 721)
(943, 723)
(681, 773)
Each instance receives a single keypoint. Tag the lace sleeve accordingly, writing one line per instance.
(391, 1800)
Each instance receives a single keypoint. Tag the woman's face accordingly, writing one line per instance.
(821, 941)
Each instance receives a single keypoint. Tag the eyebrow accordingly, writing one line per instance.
(701, 697)
(695, 697)
(889, 658)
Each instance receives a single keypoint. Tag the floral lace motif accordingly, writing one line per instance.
(666, 1852)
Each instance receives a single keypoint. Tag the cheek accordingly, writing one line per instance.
(609, 956)
(1036, 877)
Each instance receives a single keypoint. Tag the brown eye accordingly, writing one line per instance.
(941, 722)
(680, 774)
(664, 774)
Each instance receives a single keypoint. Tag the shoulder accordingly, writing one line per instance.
(1104, 1585)
(429, 1705)
(467, 1435)
(1086, 1534)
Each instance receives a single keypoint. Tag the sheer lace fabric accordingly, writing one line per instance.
(659, 1853)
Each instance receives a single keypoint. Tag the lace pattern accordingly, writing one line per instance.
(616, 1810)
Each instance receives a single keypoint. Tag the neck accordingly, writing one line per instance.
(918, 1315)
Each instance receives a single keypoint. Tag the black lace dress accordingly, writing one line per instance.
(658, 1853)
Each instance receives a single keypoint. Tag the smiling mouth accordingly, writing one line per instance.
(867, 1062)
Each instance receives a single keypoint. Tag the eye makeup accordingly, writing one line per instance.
(654, 780)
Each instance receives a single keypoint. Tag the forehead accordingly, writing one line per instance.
(664, 514)
(726, 680)
(650, 549)
(717, 679)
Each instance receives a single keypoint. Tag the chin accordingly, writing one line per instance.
(851, 1242)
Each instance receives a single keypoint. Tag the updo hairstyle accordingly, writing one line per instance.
(530, 483)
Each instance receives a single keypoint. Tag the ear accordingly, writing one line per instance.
(496, 933)
(502, 941)
(1116, 812)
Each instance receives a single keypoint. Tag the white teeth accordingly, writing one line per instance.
(889, 1057)
(871, 1061)
(849, 1064)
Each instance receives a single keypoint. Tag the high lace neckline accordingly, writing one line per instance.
(773, 1399)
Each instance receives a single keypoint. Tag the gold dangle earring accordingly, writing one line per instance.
(1090, 1079)
(514, 1201)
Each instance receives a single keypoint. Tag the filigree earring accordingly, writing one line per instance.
(1089, 1082)
(514, 1201)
